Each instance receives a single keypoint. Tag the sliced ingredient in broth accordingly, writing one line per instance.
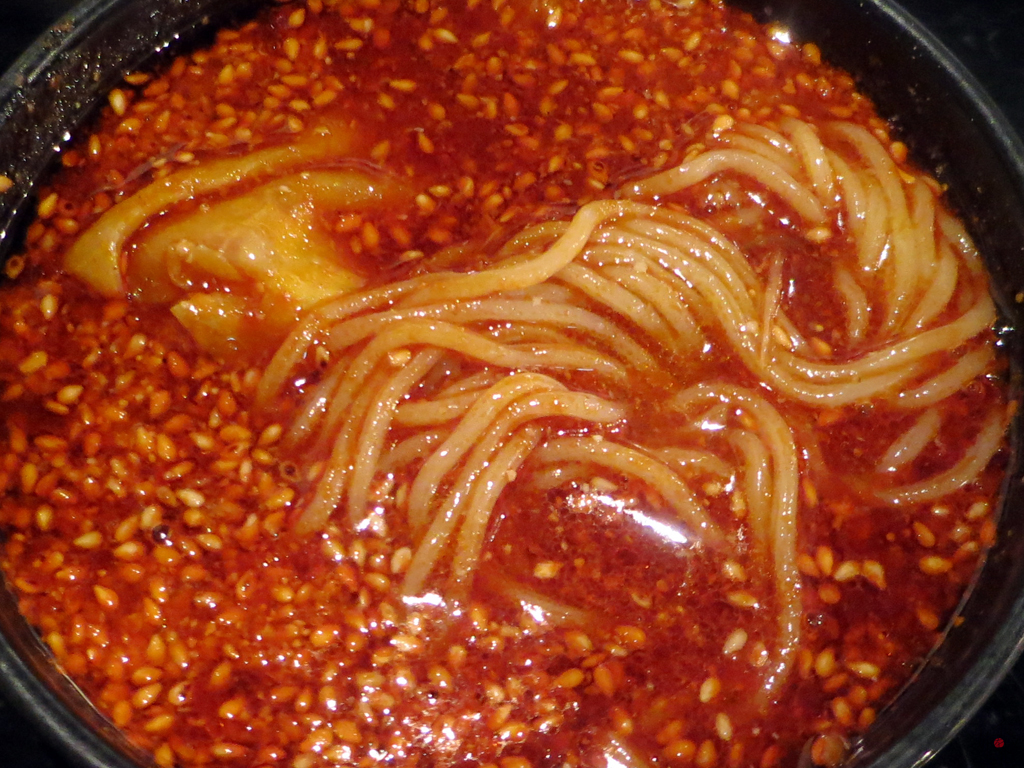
(521, 384)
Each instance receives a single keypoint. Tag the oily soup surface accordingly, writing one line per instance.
(530, 384)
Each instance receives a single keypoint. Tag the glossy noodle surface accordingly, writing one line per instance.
(584, 383)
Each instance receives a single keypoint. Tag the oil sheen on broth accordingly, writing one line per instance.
(491, 383)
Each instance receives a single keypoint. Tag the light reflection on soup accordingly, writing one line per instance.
(534, 384)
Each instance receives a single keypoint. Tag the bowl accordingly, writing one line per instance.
(952, 128)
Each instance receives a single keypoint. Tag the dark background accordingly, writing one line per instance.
(988, 37)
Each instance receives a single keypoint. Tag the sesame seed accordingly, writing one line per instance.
(864, 669)
(709, 689)
(90, 540)
(846, 571)
(742, 600)
(118, 102)
(935, 566)
(404, 86)
(734, 642)
(191, 498)
(723, 726)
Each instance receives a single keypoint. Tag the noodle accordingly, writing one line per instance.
(623, 266)
(629, 462)
(782, 522)
(966, 369)
(910, 444)
(774, 178)
(965, 471)
(500, 471)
